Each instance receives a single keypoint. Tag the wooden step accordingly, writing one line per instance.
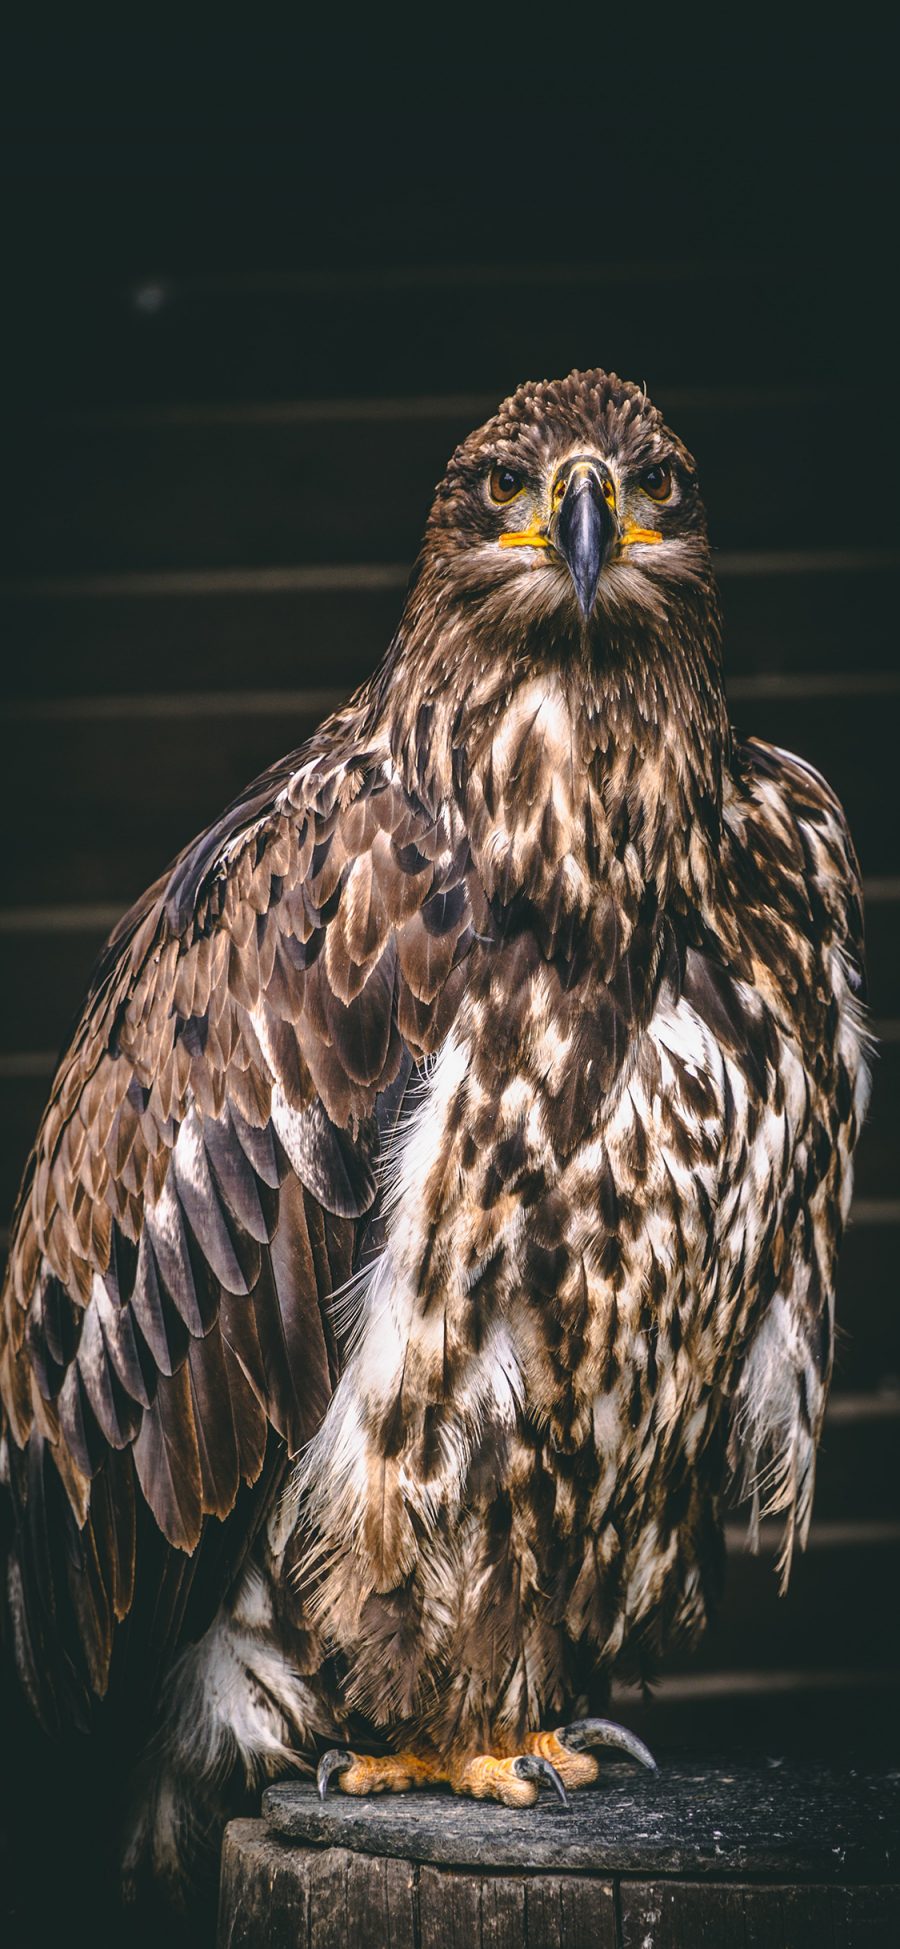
(329, 482)
(819, 611)
(839, 1610)
(401, 328)
(123, 791)
(882, 920)
(804, 1712)
(867, 1352)
(46, 957)
(858, 1469)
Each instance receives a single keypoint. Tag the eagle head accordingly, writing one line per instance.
(574, 505)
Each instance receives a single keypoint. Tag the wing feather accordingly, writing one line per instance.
(793, 820)
(200, 1178)
(167, 1459)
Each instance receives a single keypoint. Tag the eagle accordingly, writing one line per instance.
(434, 1217)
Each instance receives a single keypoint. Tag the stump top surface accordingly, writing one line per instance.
(722, 1821)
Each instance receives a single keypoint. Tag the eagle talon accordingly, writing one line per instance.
(332, 1762)
(530, 1766)
(582, 1734)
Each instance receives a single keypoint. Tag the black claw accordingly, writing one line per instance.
(330, 1763)
(584, 1733)
(530, 1766)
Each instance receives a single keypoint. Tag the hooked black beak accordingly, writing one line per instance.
(585, 531)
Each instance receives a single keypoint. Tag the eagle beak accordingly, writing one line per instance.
(585, 530)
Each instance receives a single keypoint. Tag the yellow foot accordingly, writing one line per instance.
(557, 1759)
(357, 1773)
(574, 1769)
(568, 1749)
(514, 1781)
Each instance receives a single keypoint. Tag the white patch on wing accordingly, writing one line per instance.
(394, 1337)
(416, 1143)
(232, 1699)
(234, 1696)
(681, 1030)
(777, 1410)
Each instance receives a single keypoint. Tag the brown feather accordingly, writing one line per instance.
(167, 1460)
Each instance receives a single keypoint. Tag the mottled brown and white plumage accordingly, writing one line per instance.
(519, 1010)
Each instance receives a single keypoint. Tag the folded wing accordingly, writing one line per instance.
(197, 1191)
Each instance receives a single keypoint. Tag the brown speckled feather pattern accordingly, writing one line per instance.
(519, 1010)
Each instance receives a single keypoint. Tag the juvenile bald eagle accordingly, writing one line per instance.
(436, 1208)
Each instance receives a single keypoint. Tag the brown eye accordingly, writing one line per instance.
(505, 484)
(657, 481)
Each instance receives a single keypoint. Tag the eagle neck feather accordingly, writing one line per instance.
(572, 764)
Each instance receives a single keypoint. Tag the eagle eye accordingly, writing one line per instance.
(505, 484)
(657, 481)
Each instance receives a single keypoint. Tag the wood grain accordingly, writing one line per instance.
(692, 1820)
(276, 1895)
(685, 1915)
(280, 1895)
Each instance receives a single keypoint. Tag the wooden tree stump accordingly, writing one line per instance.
(780, 1857)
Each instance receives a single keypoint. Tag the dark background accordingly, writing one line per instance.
(255, 288)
